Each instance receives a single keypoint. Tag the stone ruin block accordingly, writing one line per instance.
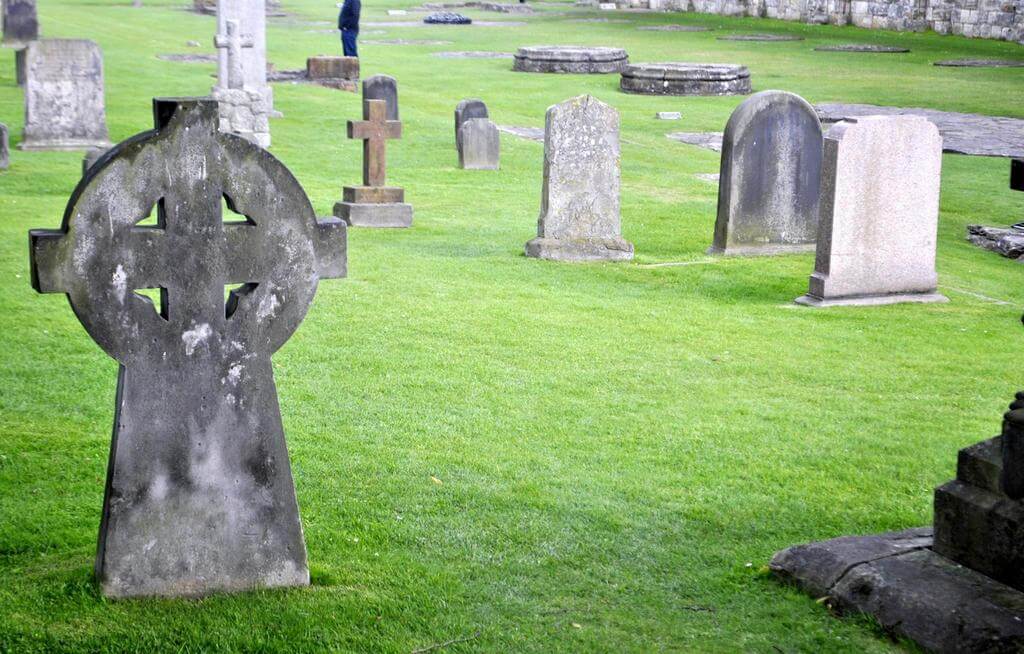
(332, 68)
(382, 87)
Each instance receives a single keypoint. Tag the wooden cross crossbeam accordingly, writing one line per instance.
(374, 130)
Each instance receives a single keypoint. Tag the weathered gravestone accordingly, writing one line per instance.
(64, 105)
(91, 156)
(465, 110)
(199, 495)
(1017, 174)
(21, 25)
(957, 588)
(374, 204)
(243, 109)
(5, 156)
(19, 66)
(383, 87)
(479, 145)
(251, 16)
(879, 209)
(579, 213)
(770, 177)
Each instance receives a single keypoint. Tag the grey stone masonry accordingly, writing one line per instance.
(383, 87)
(244, 110)
(579, 214)
(5, 156)
(676, 78)
(879, 211)
(479, 145)
(21, 24)
(64, 103)
(569, 59)
(465, 110)
(770, 177)
(199, 495)
(251, 16)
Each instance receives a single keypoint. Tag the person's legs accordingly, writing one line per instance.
(348, 42)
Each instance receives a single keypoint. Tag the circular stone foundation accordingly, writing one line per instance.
(981, 63)
(685, 79)
(569, 59)
(674, 28)
(770, 38)
(860, 47)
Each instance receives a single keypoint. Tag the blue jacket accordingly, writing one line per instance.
(348, 19)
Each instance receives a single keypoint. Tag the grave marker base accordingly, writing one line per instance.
(358, 214)
(591, 249)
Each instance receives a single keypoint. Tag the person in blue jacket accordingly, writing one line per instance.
(348, 23)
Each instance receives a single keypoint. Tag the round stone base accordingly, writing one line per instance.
(570, 59)
(685, 79)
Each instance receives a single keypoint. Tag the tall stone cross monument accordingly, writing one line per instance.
(244, 110)
(199, 494)
(374, 204)
(229, 72)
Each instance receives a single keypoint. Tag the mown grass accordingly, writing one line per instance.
(620, 448)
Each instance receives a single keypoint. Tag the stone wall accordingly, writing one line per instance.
(990, 19)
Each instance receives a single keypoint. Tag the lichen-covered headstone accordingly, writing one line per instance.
(465, 110)
(21, 23)
(579, 214)
(64, 103)
(879, 208)
(770, 177)
(479, 145)
(244, 110)
(199, 494)
(383, 87)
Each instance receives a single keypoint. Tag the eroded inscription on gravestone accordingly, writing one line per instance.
(465, 110)
(770, 177)
(579, 214)
(199, 495)
(21, 24)
(479, 145)
(64, 104)
(879, 209)
(383, 87)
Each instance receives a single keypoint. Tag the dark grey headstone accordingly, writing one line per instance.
(1017, 174)
(1005, 242)
(5, 155)
(383, 87)
(770, 177)
(21, 24)
(479, 145)
(19, 66)
(199, 494)
(981, 63)
(465, 110)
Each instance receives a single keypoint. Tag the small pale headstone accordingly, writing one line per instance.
(5, 155)
(199, 492)
(479, 145)
(465, 110)
(879, 209)
(668, 115)
(770, 177)
(383, 87)
(64, 104)
(579, 213)
(21, 25)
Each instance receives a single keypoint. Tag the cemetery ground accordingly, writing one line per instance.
(517, 454)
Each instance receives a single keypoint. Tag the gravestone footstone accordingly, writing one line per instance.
(199, 494)
(479, 145)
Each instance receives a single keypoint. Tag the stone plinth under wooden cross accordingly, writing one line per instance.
(466, 110)
(675, 78)
(64, 104)
(244, 110)
(199, 494)
(21, 24)
(374, 204)
(879, 213)
(770, 177)
(579, 213)
(382, 87)
(569, 59)
(479, 145)
(957, 588)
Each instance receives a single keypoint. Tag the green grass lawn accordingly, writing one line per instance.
(540, 457)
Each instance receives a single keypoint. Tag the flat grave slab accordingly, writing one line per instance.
(674, 28)
(676, 78)
(528, 133)
(981, 63)
(472, 54)
(447, 18)
(862, 47)
(707, 140)
(766, 38)
(570, 59)
(189, 58)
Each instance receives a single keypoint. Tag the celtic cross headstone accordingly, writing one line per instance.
(192, 304)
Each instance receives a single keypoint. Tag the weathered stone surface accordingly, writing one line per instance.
(879, 209)
(472, 54)
(19, 66)
(1006, 242)
(579, 215)
(5, 155)
(64, 103)
(981, 63)
(766, 38)
(675, 78)
(374, 204)
(707, 140)
(770, 177)
(243, 109)
(861, 47)
(92, 155)
(251, 16)
(528, 133)
(465, 110)
(447, 18)
(188, 58)
(479, 145)
(383, 87)
(199, 494)
(674, 28)
(21, 25)
(668, 115)
(1017, 174)
(327, 67)
(990, 136)
(569, 59)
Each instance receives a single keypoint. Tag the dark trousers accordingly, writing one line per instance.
(348, 42)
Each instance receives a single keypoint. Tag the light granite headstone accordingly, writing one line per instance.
(243, 109)
(879, 209)
(199, 493)
(465, 110)
(479, 145)
(64, 104)
(252, 22)
(383, 87)
(579, 213)
(5, 155)
(21, 25)
(770, 177)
